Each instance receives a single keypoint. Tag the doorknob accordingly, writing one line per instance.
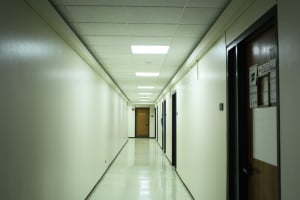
(248, 170)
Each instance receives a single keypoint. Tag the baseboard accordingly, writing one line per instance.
(169, 160)
(185, 185)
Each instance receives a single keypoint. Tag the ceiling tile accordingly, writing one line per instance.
(110, 27)
(122, 40)
(204, 16)
(191, 30)
(149, 59)
(91, 2)
(96, 14)
(133, 30)
(152, 30)
(161, 3)
(153, 15)
(108, 40)
(151, 40)
(207, 3)
(118, 49)
(102, 29)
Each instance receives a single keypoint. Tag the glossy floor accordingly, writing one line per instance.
(141, 172)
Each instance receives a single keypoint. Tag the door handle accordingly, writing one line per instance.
(248, 170)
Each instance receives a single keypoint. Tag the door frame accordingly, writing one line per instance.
(155, 118)
(174, 129)
(164, 119)
(157, 123)
(136, 122)
(236, 118)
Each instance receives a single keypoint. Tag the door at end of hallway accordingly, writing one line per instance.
(142, 122)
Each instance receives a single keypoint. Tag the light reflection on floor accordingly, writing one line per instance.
(141, 172)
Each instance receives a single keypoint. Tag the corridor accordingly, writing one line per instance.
(217, 82)
(141, 171)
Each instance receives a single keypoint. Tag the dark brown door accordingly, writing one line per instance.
(253, 143)
(142, 122)
(261, 167)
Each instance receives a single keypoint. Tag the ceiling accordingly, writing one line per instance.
(109, 27)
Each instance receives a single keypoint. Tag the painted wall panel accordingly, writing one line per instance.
(152, 121)
(159, 134)
(201, 134)
(253, 12)
(169, 126)
(61, 125)
(289, 70)
(193, 137)
(131, 121)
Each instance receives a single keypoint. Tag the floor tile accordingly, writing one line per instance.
(141, 172)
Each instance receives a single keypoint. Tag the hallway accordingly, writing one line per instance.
(220, 79)
(141, 171)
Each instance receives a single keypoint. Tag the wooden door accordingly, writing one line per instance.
(253, 142)
(261, 167)
(141, 122)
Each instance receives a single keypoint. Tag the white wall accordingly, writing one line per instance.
(201, 127)
(61, 125)
(159, 127)
(151, 121)
(289, 71)
(131, 121)
(169, 126)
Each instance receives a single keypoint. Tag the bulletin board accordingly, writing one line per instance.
(263, 83)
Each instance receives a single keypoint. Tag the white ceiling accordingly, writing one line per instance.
(110, 27)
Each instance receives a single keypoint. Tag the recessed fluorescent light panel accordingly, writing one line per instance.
(145, 93)
(145, 87)
(144, 100)
(144, 97)
(149, 49)
(151, 74)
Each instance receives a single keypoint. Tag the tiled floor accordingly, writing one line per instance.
(141, 172)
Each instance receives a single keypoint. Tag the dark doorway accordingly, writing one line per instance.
(174, 129)
(164, 126)
(157, 123)
(141, 122)
(253, 104)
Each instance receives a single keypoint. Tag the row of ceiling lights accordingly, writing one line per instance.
(143, 49)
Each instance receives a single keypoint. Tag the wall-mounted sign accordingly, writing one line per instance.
(253, 86)
(264, 90)
(264, 69)
(252, 75)
(253, 97)
(273, 87)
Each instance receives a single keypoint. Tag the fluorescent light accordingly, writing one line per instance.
(145, 87)
(145, 93)
(144, 97)
(147, 74)
(144, 100)
(149, 49)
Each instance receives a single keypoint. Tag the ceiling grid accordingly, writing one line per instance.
(110, 27)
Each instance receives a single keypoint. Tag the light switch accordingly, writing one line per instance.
(221, 106)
